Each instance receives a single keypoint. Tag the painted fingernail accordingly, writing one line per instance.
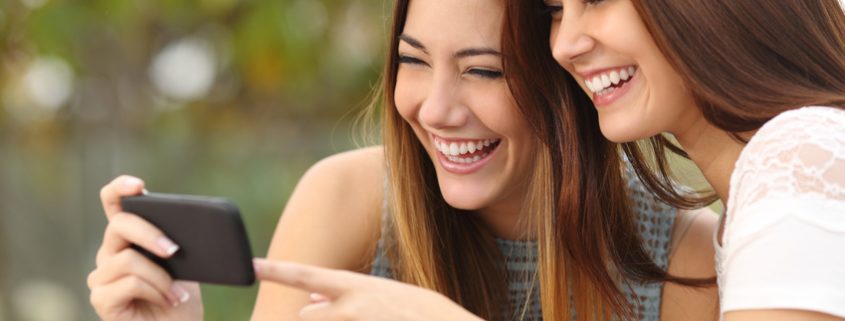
(256, 265)
(180, 293)
(132, 182)
(316, 298)
(167, 245)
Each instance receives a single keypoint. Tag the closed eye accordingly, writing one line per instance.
(485, 73)
(403, 59)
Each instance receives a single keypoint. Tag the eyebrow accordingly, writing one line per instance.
(460, 54)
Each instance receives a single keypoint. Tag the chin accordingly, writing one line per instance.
(463, 201)
(621, 132)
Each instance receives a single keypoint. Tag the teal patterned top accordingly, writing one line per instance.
(655, 226)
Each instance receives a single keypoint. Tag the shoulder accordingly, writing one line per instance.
(336, 208)
(800, 153)
(331, 220)
(792, 130)
(362, 168)
(348, 186)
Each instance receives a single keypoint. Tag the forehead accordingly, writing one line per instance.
(455, 23)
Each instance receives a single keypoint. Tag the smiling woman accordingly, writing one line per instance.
(754, 93)
(475, 196)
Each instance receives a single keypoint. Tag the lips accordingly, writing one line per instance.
(609, 85)
(601, 84)
(465, 151)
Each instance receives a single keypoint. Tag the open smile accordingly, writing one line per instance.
(610, 84)
(464, 156)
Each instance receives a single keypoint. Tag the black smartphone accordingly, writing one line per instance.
(213, 244)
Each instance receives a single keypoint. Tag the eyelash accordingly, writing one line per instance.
(483, 73)
(555, 9)
(486, 73)
(410, 60)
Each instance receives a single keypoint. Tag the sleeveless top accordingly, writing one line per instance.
(655, 220)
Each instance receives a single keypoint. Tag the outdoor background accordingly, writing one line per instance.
(234, 98)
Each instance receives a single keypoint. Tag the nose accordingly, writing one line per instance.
(568, 40)
(442, 106)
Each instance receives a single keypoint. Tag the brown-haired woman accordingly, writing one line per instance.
(471, 178)
(754, 92)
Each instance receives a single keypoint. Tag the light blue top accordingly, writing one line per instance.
(655, 226)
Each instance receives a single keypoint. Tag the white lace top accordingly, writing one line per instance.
(783, 245)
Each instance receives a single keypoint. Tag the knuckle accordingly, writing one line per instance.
(134, 282)
(97, 298)
(302, 277)
(125, 259)
(92, 279)
(100, 256)
(105, 192)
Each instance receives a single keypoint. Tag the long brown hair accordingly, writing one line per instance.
(745, 62)
(591, 246)
(432, 244)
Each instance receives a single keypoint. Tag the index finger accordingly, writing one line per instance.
(123, 185)
(328, 282)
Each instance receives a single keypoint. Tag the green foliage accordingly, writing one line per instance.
(286, 76)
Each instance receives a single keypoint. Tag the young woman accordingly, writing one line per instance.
(468, 199)
(754, 92)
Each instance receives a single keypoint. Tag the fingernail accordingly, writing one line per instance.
(256, 265)
(316, 298)
(167, 245)
(132, 182)
(144, 191)
(180, 293)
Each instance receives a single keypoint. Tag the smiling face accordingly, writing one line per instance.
(606, 47)
(451, 90)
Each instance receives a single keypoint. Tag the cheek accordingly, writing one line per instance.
(406, 96)
(497, 109)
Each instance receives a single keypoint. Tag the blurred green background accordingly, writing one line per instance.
(235, 98)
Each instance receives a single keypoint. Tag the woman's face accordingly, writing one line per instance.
(606, 47)
(451, 90)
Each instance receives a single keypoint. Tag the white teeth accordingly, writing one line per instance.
(605, 81)
(597, 83)
(453, 149)
(614, 77)
(589, 85)
(466, 160)
(600, 83)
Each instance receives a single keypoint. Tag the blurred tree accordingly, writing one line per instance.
(266, 90)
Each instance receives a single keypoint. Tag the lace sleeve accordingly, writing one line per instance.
(784, 241)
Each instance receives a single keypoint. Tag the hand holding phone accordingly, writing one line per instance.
(213, 244)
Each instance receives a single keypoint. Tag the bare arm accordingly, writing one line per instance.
(779, 315)
(331, 220)
(693, 258)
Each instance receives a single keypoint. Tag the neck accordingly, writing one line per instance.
(714, 151)
(503, 219)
